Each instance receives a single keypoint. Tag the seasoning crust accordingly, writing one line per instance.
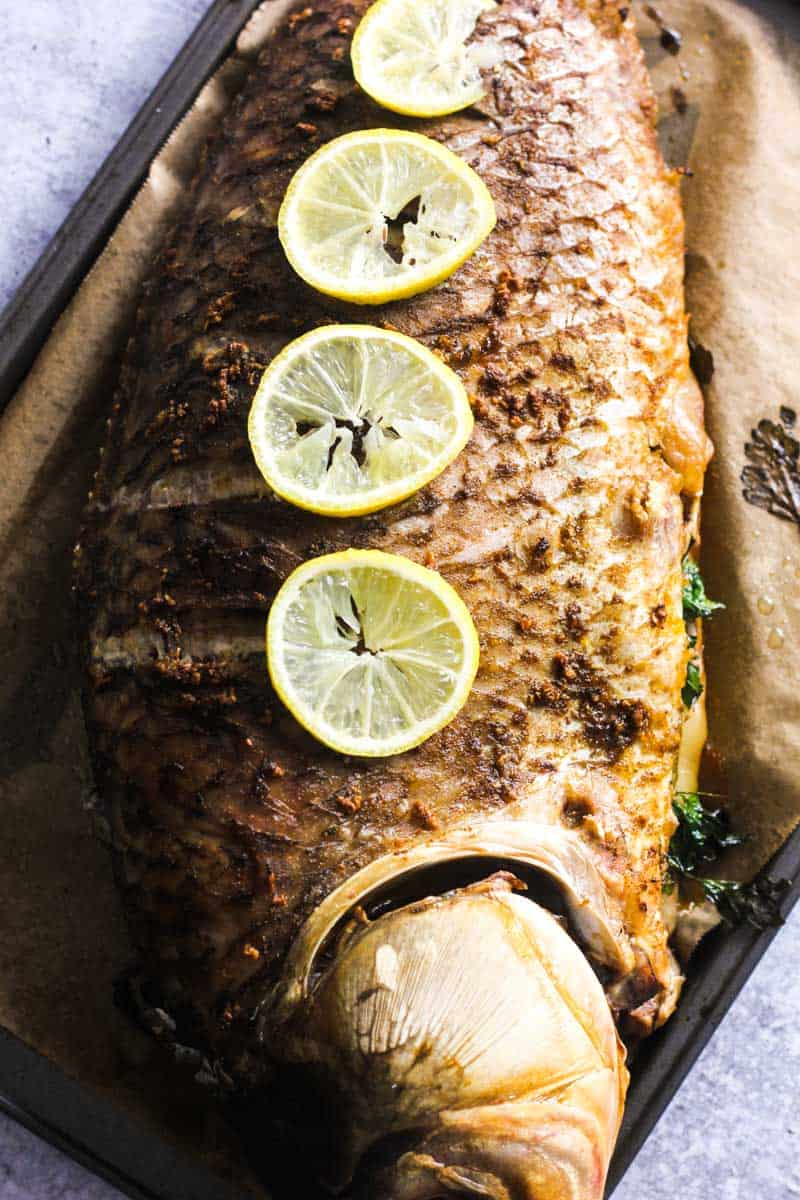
(561, 524)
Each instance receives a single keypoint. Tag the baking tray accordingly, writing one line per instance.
(33, 1090)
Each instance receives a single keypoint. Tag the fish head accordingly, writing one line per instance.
(463, 1046)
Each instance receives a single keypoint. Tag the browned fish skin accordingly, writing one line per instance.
(561, 524)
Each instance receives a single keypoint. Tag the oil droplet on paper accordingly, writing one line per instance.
(765, 605)
(776, 639)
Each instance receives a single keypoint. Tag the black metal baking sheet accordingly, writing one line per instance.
(33, 1090)
(103, 1139)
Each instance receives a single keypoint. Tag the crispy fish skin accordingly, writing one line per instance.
(561, 524)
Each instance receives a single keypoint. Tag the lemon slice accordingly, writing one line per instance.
(381, 214)
(370, 652)
(412, 56)
(349, 418)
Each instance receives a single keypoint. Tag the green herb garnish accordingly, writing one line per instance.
(758, 902)
(695, 601)
(702, 834)
(693, 687)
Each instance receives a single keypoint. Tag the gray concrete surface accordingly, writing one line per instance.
(74, 73)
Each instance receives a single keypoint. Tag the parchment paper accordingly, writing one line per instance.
(62, 937)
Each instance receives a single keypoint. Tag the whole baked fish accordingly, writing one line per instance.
(357, 928)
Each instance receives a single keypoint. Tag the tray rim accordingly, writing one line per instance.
(42, 1098)
(34, 1091)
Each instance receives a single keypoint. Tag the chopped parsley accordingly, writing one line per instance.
(702, 834)
(695, 601)
(696, 605)
(758, 903)
(693, 687)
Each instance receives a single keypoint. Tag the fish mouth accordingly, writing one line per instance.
(456, 1045)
